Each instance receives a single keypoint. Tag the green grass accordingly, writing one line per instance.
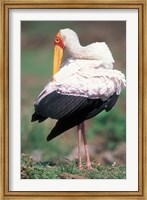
(31, 169)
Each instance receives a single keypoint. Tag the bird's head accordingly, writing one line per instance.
(58, 52)
(64, 38)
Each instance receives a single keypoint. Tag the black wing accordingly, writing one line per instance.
(57, 106)
(69, 110)
(89, 109)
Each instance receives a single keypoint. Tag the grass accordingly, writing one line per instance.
(31, 169)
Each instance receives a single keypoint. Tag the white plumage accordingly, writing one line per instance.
(94, 51)
(94, 84)
(88, 73)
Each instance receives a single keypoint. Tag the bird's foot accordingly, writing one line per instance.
(80, 167)
(89, 167)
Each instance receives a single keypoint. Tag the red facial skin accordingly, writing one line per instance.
(58, 41)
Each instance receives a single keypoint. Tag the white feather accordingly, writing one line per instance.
(89, 73)
(89, 82)
(95, 51)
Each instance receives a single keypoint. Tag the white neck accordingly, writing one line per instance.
(94, 51)
(75, 49)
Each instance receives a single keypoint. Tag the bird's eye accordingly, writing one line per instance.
(57, 40)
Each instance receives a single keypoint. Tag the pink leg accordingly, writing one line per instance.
(86, 147)
(79, 146)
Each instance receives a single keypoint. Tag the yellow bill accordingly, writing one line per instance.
(58, 54)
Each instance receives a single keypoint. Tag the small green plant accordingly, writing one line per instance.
(31, 169)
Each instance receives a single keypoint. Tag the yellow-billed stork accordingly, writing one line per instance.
(82, 87)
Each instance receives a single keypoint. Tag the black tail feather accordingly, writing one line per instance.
(37, 117)
(111, 102)
(62, 126)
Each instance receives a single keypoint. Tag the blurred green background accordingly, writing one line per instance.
(106, 133)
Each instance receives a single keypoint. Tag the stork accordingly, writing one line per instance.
(81, 87)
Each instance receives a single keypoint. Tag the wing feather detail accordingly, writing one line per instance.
(91, 83)
(88, 109)
(57, 106)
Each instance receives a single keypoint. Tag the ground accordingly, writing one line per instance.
(66, 169)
